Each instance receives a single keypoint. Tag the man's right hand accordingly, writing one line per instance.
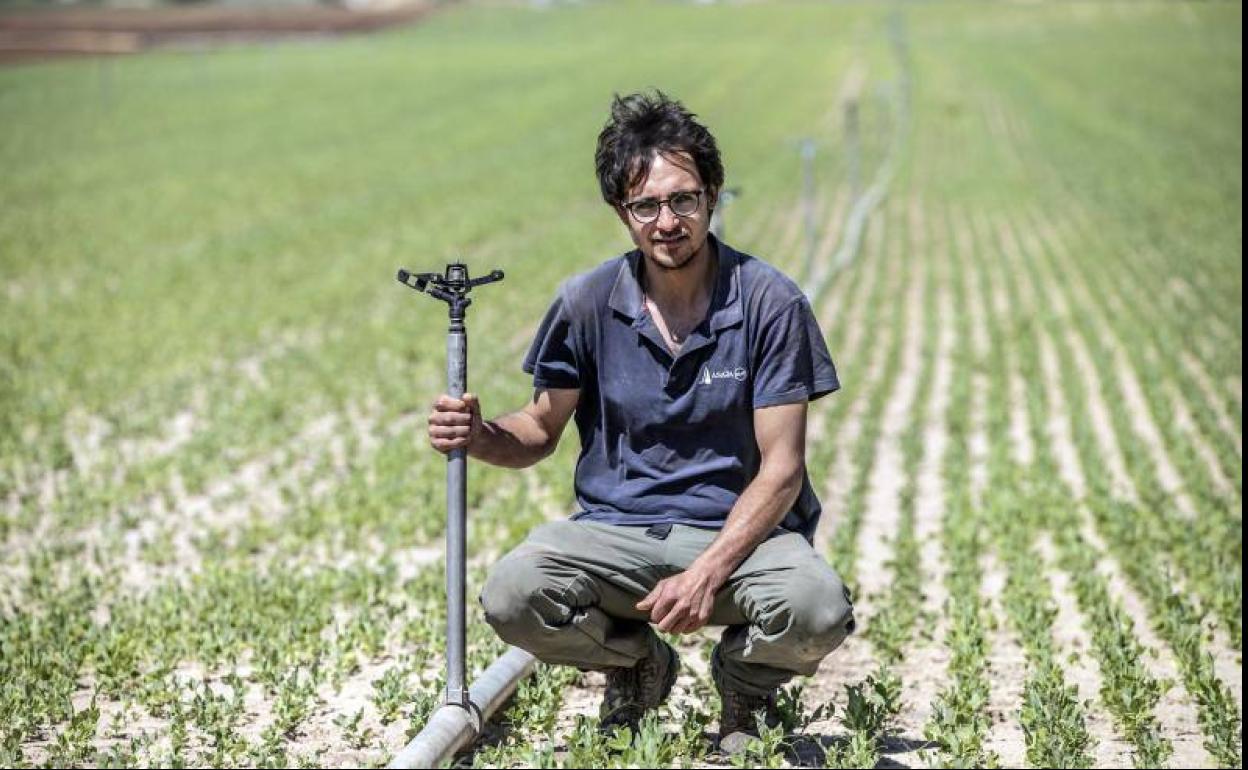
(454, 422)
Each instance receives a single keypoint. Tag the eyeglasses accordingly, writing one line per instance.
(682, 204)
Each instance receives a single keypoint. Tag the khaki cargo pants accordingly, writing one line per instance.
(567, 595)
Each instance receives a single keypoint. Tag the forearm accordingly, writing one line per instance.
(758, 511)
(515, 440)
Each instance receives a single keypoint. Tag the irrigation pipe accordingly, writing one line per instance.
(856, 222)
(452, 726)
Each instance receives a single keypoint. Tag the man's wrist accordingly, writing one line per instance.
(499, 442)
(714, 568)
(491, 445)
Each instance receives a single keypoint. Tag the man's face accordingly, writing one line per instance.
(670, 241)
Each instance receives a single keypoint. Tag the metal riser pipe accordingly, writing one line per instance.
(452, 727)
(464, 709)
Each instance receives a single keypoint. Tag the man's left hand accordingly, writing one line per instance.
(681, 604)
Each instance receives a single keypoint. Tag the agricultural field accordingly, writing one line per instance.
(220, 540)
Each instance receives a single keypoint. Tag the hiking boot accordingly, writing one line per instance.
(737, 723)
(631, 692)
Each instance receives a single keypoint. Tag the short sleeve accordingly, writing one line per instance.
(791, 360)
(552, 358)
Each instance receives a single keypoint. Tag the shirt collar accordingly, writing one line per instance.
(626, 296)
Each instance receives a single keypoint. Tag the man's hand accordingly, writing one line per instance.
(454, 423)
(681, 604)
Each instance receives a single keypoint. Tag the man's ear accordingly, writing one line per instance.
(622, 213)
(712, 199)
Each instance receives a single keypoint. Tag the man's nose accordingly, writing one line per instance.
(667, 218)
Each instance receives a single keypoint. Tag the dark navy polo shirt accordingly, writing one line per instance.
(671, 440)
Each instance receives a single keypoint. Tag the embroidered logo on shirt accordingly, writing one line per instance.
(710, 375)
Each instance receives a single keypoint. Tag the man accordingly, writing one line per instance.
(688, 367)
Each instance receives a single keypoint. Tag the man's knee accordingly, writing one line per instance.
(505, 598)
(522, 591)
(821, 614)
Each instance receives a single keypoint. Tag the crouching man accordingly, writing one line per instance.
(688, 367)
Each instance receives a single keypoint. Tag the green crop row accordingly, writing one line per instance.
(900, 607)
(1132, 309)
(843, 551)
(1137, 534)
(1052, 718)
(1208, 540)
(1128, 690)
(960, 721)
(872, 705)
(822, 454)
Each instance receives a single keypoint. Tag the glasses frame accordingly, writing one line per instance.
(698, 193)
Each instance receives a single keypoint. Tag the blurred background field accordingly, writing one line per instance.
(220, 538)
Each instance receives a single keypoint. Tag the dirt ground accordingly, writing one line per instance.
(46, 33)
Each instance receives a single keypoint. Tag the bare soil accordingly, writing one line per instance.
(923, 672)
(46, 33)
(840, 475)
(1007, 667)
(882, 517)
(1186, 424)
(1211, 395)
(1074, 645)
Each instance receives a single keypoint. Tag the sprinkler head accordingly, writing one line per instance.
(451, 287)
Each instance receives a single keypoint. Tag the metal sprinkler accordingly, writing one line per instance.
(452, 288)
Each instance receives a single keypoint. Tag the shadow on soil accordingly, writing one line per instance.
(803, 750)
(809, 750)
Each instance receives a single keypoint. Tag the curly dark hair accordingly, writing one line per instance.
(643, 126)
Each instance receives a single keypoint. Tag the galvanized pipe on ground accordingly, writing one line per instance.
(452, 726)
